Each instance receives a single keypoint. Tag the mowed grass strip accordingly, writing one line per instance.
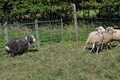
(62, 61)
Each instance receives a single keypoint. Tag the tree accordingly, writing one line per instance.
(48, 9)
(108, 9)
(43, 7)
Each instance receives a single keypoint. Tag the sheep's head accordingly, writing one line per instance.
(101, 29)
(110, 30)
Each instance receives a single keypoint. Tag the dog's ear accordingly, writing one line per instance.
(26, 38)
(33, 38)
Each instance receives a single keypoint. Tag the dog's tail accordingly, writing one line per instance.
(7, 48)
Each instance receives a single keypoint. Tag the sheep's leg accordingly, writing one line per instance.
(85, 46)
(101, 46)
(118, 45)
(106, 46)
(109, 45)
(98, 49)
(93, 46)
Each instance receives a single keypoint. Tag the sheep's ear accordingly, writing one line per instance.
(107, 29)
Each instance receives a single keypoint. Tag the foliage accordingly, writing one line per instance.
(92, 13)
(33, 7)
(107, 6)
(52, 9)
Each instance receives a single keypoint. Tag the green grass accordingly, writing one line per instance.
(62, 61)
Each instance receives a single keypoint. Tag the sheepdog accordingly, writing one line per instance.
(19, 46)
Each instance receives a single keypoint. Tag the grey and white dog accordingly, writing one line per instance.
(19, 46)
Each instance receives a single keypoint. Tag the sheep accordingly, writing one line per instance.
(116, 36)
(108, 36)
(95, 38)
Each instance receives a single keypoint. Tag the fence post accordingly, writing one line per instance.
(37, 33)
(75, 21)
(62, 29)
(6, 31)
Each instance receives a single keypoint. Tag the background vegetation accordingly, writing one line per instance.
(53, 9)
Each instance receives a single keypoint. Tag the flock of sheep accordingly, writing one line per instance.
(102, 37)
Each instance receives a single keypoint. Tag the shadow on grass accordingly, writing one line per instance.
(32, 50)
(100, 50)
(94, 51)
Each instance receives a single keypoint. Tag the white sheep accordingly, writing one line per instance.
(108, 36)
(116, 36)
(95, 38)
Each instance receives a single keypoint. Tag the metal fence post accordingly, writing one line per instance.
(6, 31)
(37, 33)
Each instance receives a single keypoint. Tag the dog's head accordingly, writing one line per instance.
(30, 39)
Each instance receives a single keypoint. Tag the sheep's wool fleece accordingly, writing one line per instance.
(95, 37)
(116, 35)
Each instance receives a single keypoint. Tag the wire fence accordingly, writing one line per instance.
(44, 31)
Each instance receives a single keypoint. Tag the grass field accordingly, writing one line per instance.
(63, 61)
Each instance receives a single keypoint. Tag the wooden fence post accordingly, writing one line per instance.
(75, 21)
(37, 33)
(6, 31)
(62, 29)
